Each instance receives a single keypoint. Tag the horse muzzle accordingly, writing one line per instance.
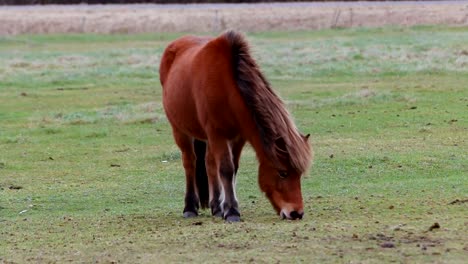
(294, 215)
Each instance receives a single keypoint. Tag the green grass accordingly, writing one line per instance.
(89, 171)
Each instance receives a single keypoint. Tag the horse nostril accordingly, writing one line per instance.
(296, 215)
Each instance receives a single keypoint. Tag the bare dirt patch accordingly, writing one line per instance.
(214, 18)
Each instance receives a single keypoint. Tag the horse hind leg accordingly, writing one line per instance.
(201, 175)
(192, 202)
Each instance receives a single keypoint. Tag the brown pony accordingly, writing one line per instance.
(216, 99)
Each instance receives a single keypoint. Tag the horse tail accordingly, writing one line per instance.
(201, 177)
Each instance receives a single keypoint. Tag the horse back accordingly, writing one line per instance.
(179, 49)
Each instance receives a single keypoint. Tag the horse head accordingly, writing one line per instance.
(281, 181)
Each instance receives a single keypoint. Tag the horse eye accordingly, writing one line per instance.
(283, 174)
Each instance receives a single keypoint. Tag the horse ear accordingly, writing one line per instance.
(307, 137)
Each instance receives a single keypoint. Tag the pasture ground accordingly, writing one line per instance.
(89, 171)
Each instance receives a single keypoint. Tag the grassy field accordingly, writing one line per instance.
(89, 171)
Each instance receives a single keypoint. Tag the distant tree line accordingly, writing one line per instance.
(65, 2)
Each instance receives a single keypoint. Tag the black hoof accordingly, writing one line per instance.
(216, 209)
(232, 215)
(217, 213)
(190, 214)
(233, 218)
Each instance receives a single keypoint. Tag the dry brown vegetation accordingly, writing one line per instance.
(215, 18)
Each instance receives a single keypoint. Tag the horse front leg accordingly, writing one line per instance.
(236, 147)
(227, 173)
(215, 189)
(224, 168)
(229, 180)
